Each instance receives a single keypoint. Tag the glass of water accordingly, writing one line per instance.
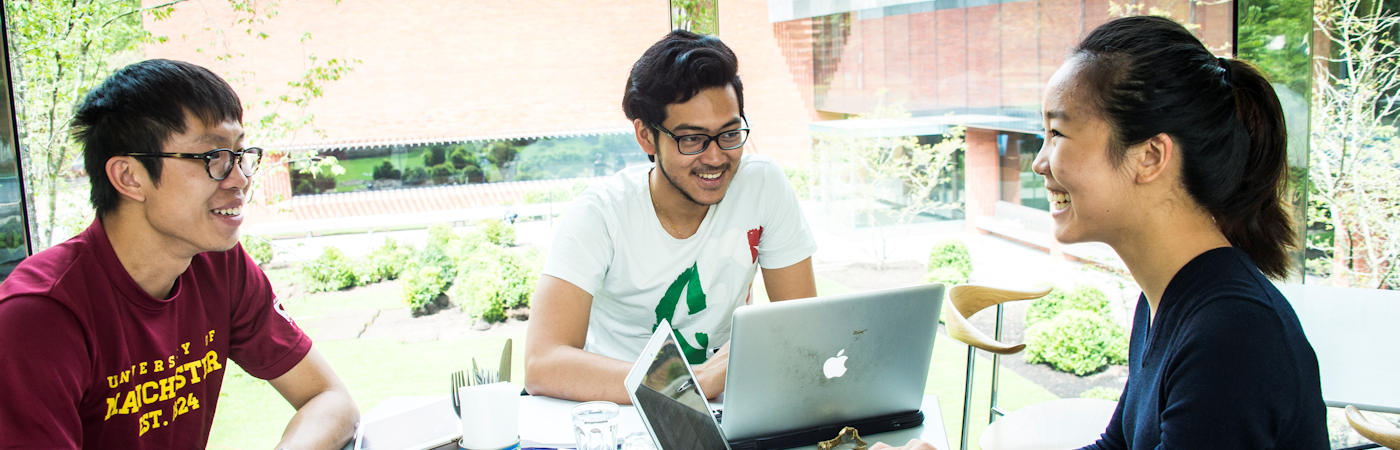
(595, 426)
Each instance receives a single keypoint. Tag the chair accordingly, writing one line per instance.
(1381, 433)
(1064, 421)
(1344, 326)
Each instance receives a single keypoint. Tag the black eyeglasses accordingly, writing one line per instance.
(694, 144)
(218, 162)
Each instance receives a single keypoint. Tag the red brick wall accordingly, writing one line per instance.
(977, 57)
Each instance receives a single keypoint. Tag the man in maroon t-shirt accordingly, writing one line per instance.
(119, 337)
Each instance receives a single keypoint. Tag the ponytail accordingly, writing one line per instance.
(1256, 218)
(1149, 75)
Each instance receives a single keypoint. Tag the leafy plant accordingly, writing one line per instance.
(257, 247)
(498, 232)
(331, 271)
(423, 288)
(1082, 298)
(949, 263)
(386, 262)
(1077, 341)
(386, 171)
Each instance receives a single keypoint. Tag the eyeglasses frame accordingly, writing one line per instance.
(708, 138)
(208, 158)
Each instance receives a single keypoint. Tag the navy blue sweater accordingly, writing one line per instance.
(1225, 365)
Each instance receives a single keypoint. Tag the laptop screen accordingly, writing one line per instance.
(669, 400)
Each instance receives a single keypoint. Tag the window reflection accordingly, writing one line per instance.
(14, 242)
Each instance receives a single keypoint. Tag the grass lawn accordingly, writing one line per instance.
(363, 168)
(252, 414)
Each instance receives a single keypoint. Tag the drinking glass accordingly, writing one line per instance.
(595, 426)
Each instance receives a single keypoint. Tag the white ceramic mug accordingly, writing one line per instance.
(489, 415)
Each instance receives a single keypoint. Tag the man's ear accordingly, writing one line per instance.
(644, 137)
(1156, 154)
(128, 177)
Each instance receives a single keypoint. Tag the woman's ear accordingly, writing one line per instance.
(644, 137)
(128, 177)
(1154, 157)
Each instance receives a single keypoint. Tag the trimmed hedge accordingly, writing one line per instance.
(1075, 332)
(949, 263)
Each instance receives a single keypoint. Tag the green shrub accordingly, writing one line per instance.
(497, 231)
(259, 248)
(493, 279)
(386, 262)
(423, 287)
(331, 271)
(1103, 393)
(481, 294)
(1077, 341)
(415, 175)
(949, 263)
(1082, 298)
(386, 171)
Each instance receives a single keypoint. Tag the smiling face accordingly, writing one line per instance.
(188, 210)
(1090, 195)
(699, 179)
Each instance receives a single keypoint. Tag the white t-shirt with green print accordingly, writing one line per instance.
(611, 245)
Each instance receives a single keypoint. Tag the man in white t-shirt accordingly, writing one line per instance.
(680, 240)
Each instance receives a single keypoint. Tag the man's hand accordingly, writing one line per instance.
(712, 372)
(913, 444)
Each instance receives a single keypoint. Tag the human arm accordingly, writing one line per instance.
(42, 367)
(794, 281)
(326, 415)
(556, 365)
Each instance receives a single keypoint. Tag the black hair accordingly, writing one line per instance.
(1149, 75)
(673, 70)
(138, 108)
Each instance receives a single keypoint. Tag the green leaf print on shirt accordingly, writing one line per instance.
(689, 282)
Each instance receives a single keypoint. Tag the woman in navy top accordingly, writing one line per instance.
(1176, 159)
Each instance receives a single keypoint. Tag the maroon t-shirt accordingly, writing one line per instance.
(88, 359)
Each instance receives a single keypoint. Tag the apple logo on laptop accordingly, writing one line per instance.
(835, 366)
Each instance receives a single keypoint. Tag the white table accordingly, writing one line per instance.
(931, 431)
(1064, 423)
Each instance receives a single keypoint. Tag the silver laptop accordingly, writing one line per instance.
(812, 362)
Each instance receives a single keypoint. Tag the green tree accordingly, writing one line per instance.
(699, 16)
(61, 49)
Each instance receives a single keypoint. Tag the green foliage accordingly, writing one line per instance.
(415, 175)
(699, 16)
(386, 171)
(423, 286)
(549, 159)
(497, 231)
(441, 173)
(331, 271)
(1082, 298)
(1078, 342)
(1074, 331)
(949, 263)
(801, 180)
(501, 153)
(435, 156)
(1103, 393)
(1275, 36)
(257, 247)
(60, 50)
(386, 262)
(492, 279)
